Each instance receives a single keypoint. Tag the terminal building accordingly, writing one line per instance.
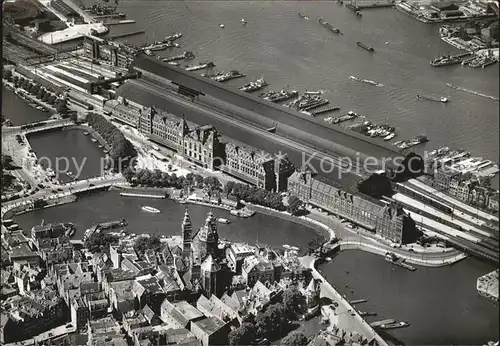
(110, 54)
(386, 220)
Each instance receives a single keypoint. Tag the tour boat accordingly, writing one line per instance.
(222, 220)
(286, 246)
(150, 209)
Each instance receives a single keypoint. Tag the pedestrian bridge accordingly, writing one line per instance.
(38, 126)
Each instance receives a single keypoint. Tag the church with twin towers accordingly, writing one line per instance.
(201, 257)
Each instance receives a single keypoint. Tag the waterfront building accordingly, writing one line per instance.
(23, 254)
(108, 53)
(388, 221)
(257, 167)
(124, 110)
(163, 128)
(211, 331)
(48, 231)
(55, 250)
(201, 146)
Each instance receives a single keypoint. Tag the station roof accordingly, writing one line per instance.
(341, 140)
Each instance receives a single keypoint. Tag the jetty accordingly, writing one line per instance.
(118, 22)
(126, 34)
(325, 110)
(472, 92)
(143, 195)
(112, 224)
(358, 301)
(381, 322)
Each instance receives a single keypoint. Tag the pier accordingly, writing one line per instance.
(127, 34)
(126, 21)
(326, 110)
(358, 301)
(144, 195)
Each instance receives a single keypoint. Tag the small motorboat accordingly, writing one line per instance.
(286, 246)
(328, 259)
(150, 209)
(390, 136)
(222, 26)
(310, 92)
(243, 21)
(222, 220)
(303, 16)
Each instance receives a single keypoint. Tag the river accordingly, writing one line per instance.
(287, 50)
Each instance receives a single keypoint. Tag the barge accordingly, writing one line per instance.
(328, 26)
(433, 98)
(365, 47)
(280, 96)
(227, 76)
(337, 120)
(392, 258)
(325, 110)
(185, 56)
(254, 86)
(199, 66)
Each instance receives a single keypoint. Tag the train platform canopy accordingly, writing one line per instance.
(330, 140)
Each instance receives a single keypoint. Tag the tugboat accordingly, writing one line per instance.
(254, 86)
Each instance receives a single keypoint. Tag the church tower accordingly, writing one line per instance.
(208, 237)
(187, 230)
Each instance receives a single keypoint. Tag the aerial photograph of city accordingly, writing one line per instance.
(217, 172)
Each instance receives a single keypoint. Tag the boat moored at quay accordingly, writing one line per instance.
(184, 56)
(200, 66)
(280, 96)
(227, 76)
(254, 86)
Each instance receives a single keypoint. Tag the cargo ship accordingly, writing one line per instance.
(200, 66)
(280, 96)
(227, 76)
(365, 47)
(328, 26)
(445, 60)
(185, 56)
(432, 98)
(254, 86)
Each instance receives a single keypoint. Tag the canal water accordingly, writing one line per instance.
(287, 50)
(17, 110)
(68, 151)
(441, 304)
(108, 206)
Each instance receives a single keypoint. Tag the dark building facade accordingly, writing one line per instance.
(389, 221)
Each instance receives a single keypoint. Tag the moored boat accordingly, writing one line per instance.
(390, 136)
(222, 220)
(150, 209)
(254, 86)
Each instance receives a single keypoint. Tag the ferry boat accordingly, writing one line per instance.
(432, 98)
(222, 220)
(150, 209)
(245, 212)
(254, 86)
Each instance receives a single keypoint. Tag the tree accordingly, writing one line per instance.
(16, 80)
(291, 300)
(6, 161)
(295, 339)
(62, 106)
(147, 243)
(45, 97)
(51, 100)
(294, 205)
(228, 188)
(7, 74)
(212, 183)
(99, 242)
(243, 335)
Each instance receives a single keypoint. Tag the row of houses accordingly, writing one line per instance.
(466, 188)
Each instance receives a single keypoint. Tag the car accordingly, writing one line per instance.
(90, 185)
(54, 191)
(59, 190)
(41, 186)
(69, 325)
(411, 250)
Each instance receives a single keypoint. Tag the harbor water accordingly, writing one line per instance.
(287, 50)
(18, 110)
